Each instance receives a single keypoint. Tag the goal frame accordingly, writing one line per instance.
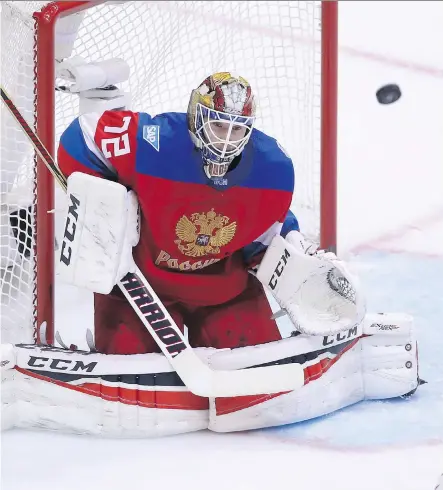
(44, 86)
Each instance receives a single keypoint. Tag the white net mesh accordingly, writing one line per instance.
(170, 46)
(17, 182)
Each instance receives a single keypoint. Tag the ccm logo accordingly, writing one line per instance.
(60, 364)
(279, 269)
(70, 227)
(330, 339)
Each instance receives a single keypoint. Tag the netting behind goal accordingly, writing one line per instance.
(285, 49)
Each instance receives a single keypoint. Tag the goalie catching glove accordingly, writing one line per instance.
(318, 293)
(101, 227)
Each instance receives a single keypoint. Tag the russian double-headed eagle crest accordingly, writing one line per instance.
(204, 233)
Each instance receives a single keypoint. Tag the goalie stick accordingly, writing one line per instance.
(194, 372)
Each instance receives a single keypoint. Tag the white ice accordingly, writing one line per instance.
(391, 229)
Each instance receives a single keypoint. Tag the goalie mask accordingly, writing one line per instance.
(221, 116)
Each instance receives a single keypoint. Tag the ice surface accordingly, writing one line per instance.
(391, 230)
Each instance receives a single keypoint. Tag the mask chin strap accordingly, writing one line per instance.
(210, 165)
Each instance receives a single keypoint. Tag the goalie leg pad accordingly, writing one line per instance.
(97, 394)
(389, 355)
(141, 395)
(101, 227)
(377, 361)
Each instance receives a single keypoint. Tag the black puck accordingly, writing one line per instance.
(388, 94)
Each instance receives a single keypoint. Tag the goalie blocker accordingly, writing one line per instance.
(105, 215)
(141, 395)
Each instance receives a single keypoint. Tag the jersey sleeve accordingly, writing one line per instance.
(254, 252)
(104, 145)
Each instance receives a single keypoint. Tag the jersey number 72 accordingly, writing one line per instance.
(118, 145)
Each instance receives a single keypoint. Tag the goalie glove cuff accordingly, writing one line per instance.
(301, 243)
(132, 236)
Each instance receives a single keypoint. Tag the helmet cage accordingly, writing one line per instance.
(219, 152)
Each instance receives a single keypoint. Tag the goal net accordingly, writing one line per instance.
(285, 49)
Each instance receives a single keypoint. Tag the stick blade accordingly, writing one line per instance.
(205, 382)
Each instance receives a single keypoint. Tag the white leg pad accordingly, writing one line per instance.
(94, 393)
(381, 364)
(136, 395)
(389, 355)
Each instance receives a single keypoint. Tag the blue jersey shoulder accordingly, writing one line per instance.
(163, 133)
(165, 149)
(171, 126)
(273, 169)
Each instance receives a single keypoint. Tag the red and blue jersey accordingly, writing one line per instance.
(199, 235)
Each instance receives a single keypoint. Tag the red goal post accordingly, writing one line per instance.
(288, 50)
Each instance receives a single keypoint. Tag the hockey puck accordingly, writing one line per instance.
(388, 94)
